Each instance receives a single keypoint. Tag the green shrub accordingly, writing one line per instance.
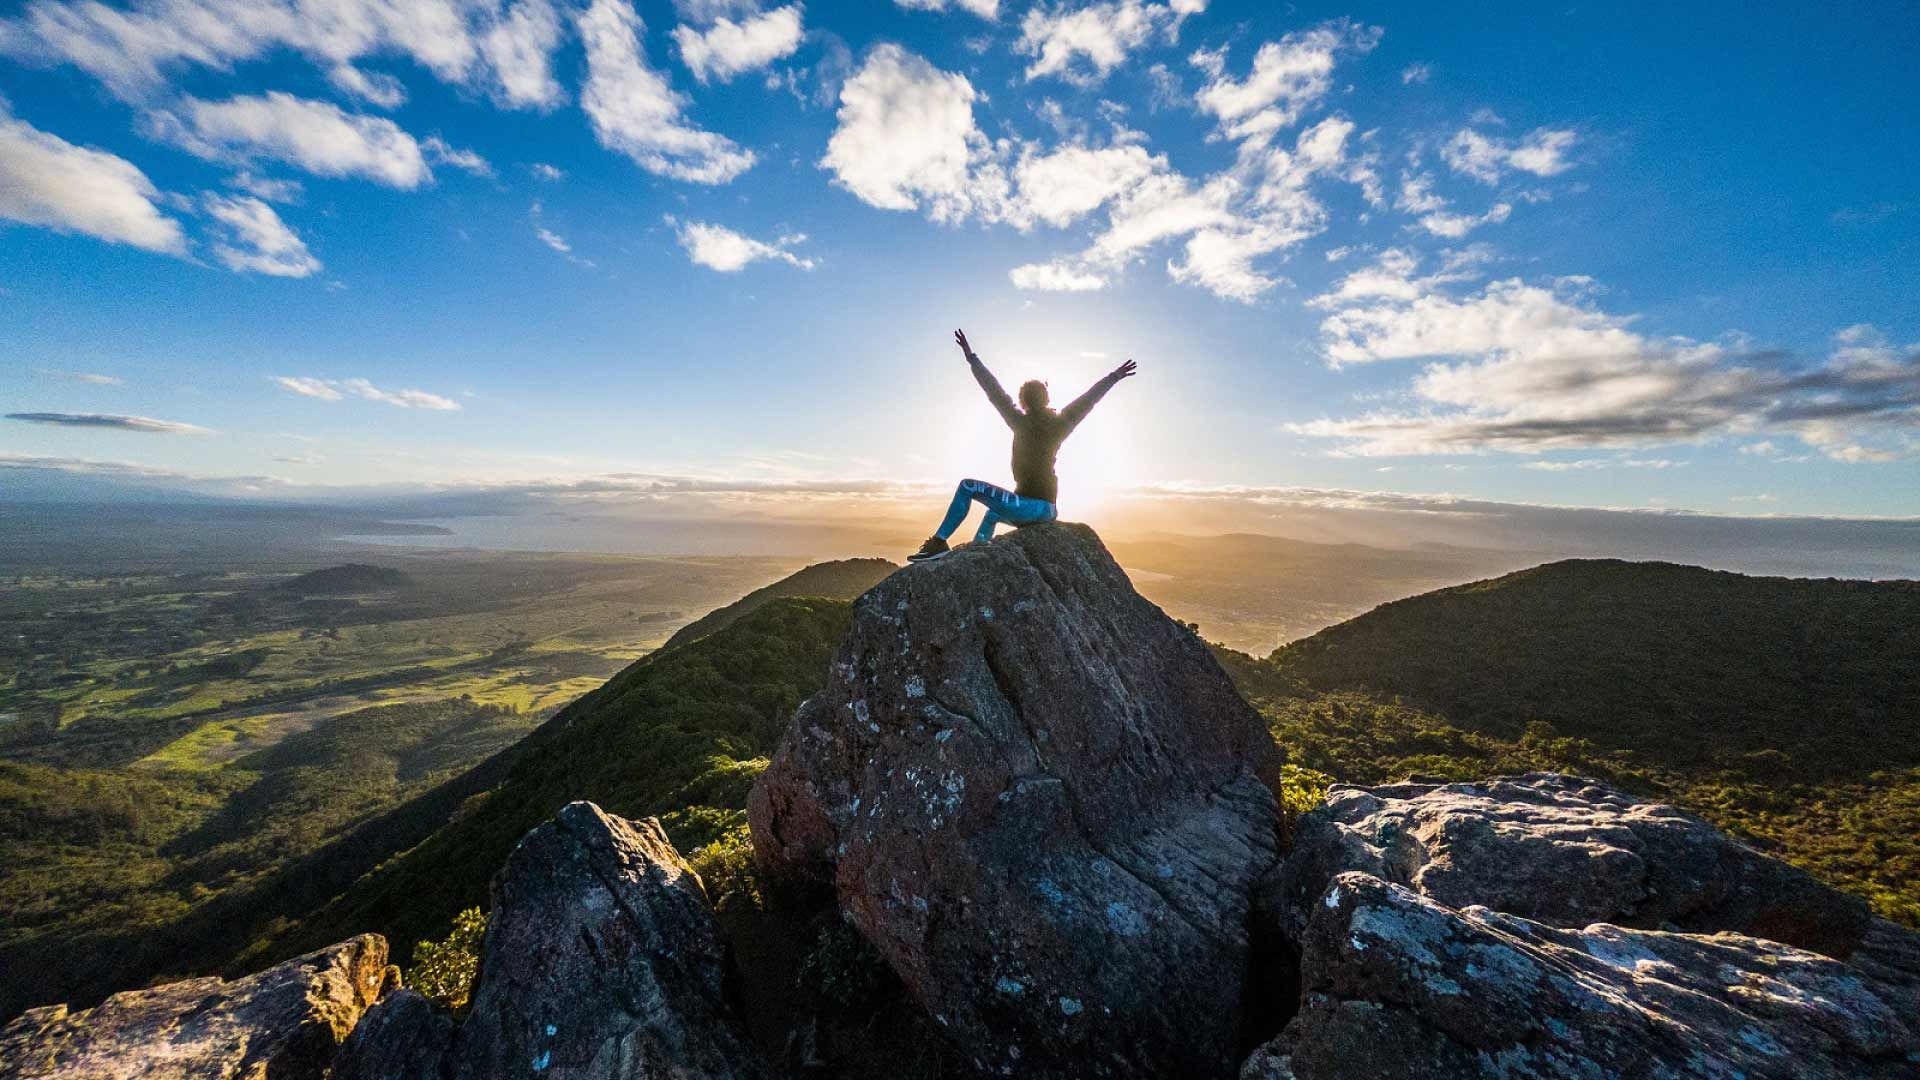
(444, 970)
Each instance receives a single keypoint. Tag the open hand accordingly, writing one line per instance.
(960, 339)
(1126, 370)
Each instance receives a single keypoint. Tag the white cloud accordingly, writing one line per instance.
(1100, 34)
(1455, 226)
(553, 239)
(1288, 77)
(268, 188)
(257, 241)
(88, 377)
(1487, 158)
(635, 111)
(317, 136)
(51, 183)
(1056, 276)
(720, 248)
(1585, 464)
(502, 48)
(906, 135)
(336, 389)
(1522, 367)
(1415, 73)
(436, 150)
(374, 88)
(313, 388)
(728, 48)
(547, 172)
(986, 9)
(519, 49)
(406, 399)
(1071, 181)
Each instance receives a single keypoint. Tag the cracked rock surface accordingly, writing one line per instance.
(1044, 803)
(1397, 984)
(1561, 850)
(283, 1023)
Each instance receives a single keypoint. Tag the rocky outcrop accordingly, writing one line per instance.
(1563, 851)
(1397, 984)
(601, 960)
(284, 1023)
(1044, 803)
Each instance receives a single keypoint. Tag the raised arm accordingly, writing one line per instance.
(1079, 407)
(995, 392)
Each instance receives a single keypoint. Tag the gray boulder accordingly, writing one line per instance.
(1396, 984)
(1563, 851)
(284, 1023)
(601, 962)
(1044, 803)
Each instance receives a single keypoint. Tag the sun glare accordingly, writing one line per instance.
(1095, 463)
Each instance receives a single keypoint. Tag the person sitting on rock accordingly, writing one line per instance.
(1038, 432)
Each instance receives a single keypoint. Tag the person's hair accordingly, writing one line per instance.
(1033, 395)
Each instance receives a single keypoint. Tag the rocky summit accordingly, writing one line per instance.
(1044, 803)
(1043, 806)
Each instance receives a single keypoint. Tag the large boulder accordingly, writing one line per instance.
(1045, 804)
(283, 1023)
(1397, 984)
(601, 960)
(1564, 851)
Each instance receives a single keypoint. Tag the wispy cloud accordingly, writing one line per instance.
(338, 389)
(635, 111)
(256, 240)
(111, 421)
(88, 377)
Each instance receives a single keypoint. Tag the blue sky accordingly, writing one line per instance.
(1588, 257)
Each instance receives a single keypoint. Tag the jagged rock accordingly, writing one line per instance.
(1044, 803)
(283, 1023)
(1563, 851)
(402, 1038)
(601, 960)
(1396, 984)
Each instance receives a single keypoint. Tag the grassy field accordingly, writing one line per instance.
(192, 670)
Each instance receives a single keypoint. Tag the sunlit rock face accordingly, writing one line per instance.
(1565, 851)
(1045, 804)
(1397, 984)
(285, 1023)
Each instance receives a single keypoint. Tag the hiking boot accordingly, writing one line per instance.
(932, 549)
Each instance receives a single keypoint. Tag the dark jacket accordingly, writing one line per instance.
(1037, 435)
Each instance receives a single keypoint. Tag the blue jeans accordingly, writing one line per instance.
(1002, 505)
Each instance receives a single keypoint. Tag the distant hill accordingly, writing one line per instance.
(1785, 710)
(347, 580)
(1687, 664)
(843, 579)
